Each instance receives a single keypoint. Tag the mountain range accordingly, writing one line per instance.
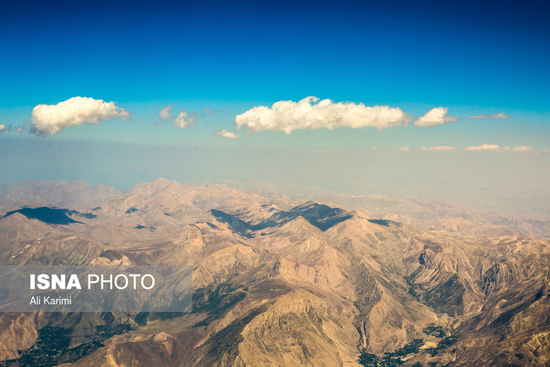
(303, 279)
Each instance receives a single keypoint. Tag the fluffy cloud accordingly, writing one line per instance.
(184, 120)
(2, 128)
(50, 119)
(497, 148)
(523, 148)
(484, 147)
(493, 116)
(312, 113)
(439, 148)
(227, 134)
(435, 116)
(403, 149)
(165, 114)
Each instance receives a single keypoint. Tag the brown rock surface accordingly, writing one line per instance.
(283, 283)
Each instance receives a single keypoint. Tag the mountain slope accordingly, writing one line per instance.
(282, 283)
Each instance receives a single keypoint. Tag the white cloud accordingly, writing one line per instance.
(435, 116)
(165, 114)
(439, 148)
(50, 119)
(227, 134)
(484, 147)
(546, 151)
(493, 116)
(5, 128)
(403, 149)
(183, 121)
(312, 113)
(523, 148)
(497, 148)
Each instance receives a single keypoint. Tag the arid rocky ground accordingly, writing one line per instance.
(332, 280)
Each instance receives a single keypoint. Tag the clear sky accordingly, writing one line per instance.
(133, 59)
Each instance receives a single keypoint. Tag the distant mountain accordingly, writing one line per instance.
(284, 282)
(432, 214)
(73, 195)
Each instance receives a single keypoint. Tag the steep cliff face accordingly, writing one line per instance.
(283, 283)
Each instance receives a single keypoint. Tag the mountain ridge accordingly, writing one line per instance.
(283, 282)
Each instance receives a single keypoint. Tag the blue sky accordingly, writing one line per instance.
(473, 58)
(486, 55)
